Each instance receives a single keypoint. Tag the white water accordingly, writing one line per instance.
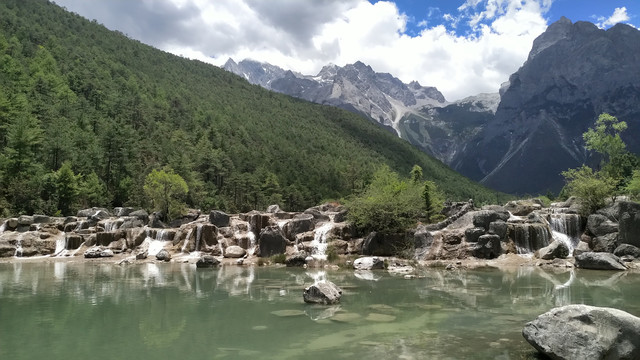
(198, 236)
(18, 252)
(563, 231)
(565, 239)
(317, 276)
(186, 241)
(3, 227)
(61, 246)
(155, 246)
(252, 243)
(319, 242)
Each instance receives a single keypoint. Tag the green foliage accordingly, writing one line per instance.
(604, 137)
(390, 204)
(633, 188)
(66, 183)
(278, 258)
(592, 188)
(166, 191)
(115, 109)
(332, 254)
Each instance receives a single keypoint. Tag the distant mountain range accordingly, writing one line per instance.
(517, 141)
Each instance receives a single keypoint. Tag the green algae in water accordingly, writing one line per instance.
(168, 311)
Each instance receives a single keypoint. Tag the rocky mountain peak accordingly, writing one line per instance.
(555, 32)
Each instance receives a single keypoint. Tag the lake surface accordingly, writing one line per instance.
(82, 310)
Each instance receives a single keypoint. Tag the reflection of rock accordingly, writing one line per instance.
(585, 332)
(322, 292)
(322, 313)
(366, 275)
(599, 261)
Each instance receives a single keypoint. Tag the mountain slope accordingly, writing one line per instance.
(115, 109)
(574, 72)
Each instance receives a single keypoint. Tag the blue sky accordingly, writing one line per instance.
(461, 47)
(428, 13)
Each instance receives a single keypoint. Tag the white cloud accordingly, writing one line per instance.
(305, 35)
(619, 15)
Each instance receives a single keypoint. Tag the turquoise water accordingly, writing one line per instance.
(60, 310)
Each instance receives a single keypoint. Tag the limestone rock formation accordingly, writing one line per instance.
(599, 261)
(585, 332)
(322, 292)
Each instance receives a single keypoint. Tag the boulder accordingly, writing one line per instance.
(585, 332)
(340, 217)
(599, 261)
(581, 248)
(207, 261)
(234, 251)
(605, 243)
(163, 255)
(273, 209)
(599, 225)
(122, 211)
(87, 213)
(473, 234)
(271, 242)
(317, 215)
(499, 228)
(155, 220)
(487, 247)
(555, 250)
(97, 252)
(100, 214)
(297, 260)
(627, 250)
(219, 218)
(140, 215)
(630, 227)
(41, 219)
(339, 246)
(25, 220)
(322, 292)
(299, 224)
(257, 221)
(11, 223)
(73, 241)
(484, 218)
(141, 254)
(368, 263)
(191, 216)
(522, 207)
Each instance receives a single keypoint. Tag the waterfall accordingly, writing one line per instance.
(186, 241)
(566, 228)
(3, 227)
(155, 246)
(61, 246)
(530, 237)
(252, 243)
(198, 236)
(319, 242)
(18, 252)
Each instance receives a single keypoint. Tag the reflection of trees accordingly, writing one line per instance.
(163, 322)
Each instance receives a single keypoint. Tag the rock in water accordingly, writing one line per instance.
(585, 332)
(207, 261)
(322, 292)
(368, 263)
(599, 261)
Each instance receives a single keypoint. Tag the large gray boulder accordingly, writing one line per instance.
(585, 332)
(368, 263)
(484, 218)
(163, 255)
(207, 261)
(234, 252)
(605, 243)
(555, 250)
(219, 218)
(629, 223)
(299, 224)
(487, 247)
(599, 225)
(322, 292)
(627, 250)
(473, 234)
(379, 244)
(599, 261)
(271, 242)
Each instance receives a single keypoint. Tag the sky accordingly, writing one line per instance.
(463, 47)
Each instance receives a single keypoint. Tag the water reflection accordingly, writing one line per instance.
(167, 310)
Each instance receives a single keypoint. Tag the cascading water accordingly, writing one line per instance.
(530, 237)
(252, 243)
(3, 227)
(566, 228)
(186, 241)
(61, 246)
(19, 249)
(319, 242)
(157, 244)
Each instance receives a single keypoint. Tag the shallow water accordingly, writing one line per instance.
(175, 311)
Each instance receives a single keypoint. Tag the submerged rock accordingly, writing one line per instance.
(599, 261)
(322, 292)
(585, 332)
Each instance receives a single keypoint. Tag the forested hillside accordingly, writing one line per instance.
(87, 113)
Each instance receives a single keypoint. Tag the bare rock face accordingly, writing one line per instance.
(599, 261)
(585, 332)
(368, 263)
(322, 292)
(271, 242)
